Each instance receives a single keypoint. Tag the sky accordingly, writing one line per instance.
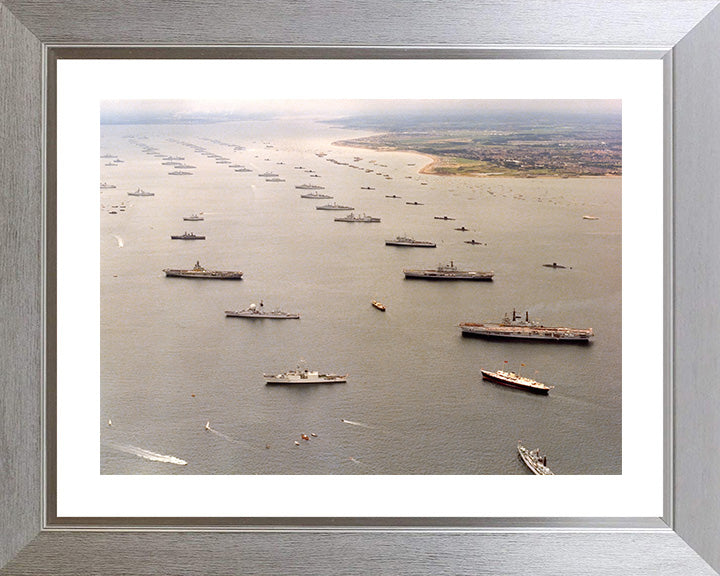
(130, 111)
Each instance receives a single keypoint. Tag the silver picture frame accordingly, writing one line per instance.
(683, 33)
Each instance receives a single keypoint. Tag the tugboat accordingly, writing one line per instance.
(448, 272)
(187, 236)
(533, 460)
(200, 272)
(409, 242)
(520, 329)
(352, 218)
(140, 192)
(304, 376)
(258, 312)
(514, 380)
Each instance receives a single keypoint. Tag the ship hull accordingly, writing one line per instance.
(409, 245)
(489, 376)
(203, 275)
(259, 316)
(433, 275)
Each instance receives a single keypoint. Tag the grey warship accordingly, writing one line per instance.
(199, 272)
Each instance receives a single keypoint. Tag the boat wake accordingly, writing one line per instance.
(119, 241)
(352, 423)
(148, 455)
(228, 438)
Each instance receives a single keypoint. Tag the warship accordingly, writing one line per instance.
(304, 376)
(258, 312)
(448, 272)
(411, 242)
(187, 236)
(352, 218)
(533, 460)
(140, 192)
(200, 272)
(334, 206)
(518, 328)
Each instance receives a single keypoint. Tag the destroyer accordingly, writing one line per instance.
(304, 376)
(200, 272)
(187, 236)
(448, 272)
(334, 206)
(140, 192)
(533, 460)
(316, 196)
(406, 241)
(309, 187)
(516, 381)
(526, 330)
(352, 218)
(254, 311)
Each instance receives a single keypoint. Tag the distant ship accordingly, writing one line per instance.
(554, 265)
(411, 242)
(179, 173)
(193, 218)
(254, 311)
(334, 206)
(304, 376)
(200, 272)
(378, 305)
(414, 203)
(316, 196)
(106, 186)
(140, 192)
(366, 188)
(243, 169)
(352, 218)
(526, 330)
(516, 381)
(392, 196)
(586, 217)
(274, 180)
(443, 218)
(448, 272)
(268, 175)
(475, 243)
(533, 460)
(187, 236)
(309, 187)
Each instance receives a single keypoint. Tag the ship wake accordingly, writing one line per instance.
(228, 438)
(353, 423)
(149, 455)
(119, 241)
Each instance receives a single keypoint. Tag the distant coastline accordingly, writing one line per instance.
(442, 165)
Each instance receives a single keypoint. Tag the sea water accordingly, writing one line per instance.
(184, 384)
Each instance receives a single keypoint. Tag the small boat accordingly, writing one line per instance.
(187, 236)
(141, 192)
(475, 243)
(258, 312)
(334, 206)
(513, 380)
(304, 376)
(193, 218)
(586, 217)
(443, 218)
(378, 305)
(409, 242)
(533, 460)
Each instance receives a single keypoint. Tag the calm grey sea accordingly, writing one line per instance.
(414, 402)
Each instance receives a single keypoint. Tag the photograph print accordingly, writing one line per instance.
(360, 287)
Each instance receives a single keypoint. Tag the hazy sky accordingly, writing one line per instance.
(118, 110)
